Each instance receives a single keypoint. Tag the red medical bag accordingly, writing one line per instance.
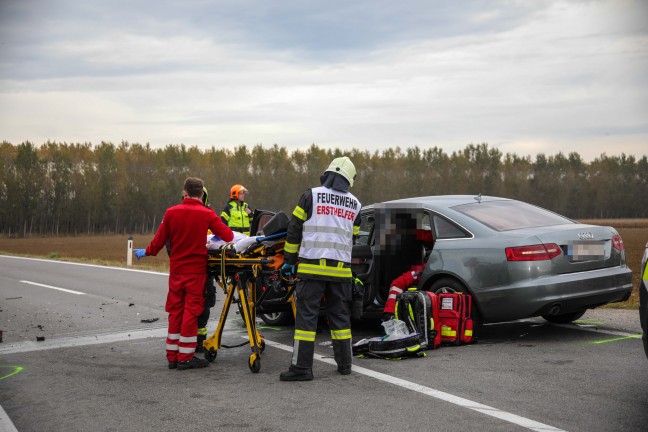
(455, 315)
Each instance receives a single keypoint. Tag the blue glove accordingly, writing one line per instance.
(288, 269)
(140, 253)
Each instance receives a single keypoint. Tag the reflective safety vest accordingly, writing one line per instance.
(328, 234)
(236, 217)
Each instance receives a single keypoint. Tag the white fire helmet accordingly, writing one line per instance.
(344, 167)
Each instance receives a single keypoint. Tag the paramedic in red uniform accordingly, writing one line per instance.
(409, 279)
(320, 235)
(185, 225)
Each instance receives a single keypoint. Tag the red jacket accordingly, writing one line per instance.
(186, 225)
(406, 280)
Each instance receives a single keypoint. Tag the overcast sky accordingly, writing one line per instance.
(526, 77)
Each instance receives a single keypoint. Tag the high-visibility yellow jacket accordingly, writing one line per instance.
(235, 217)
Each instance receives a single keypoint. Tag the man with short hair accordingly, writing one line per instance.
(185, 226)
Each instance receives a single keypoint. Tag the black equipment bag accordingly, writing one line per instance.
(418, 309)
(392, 348)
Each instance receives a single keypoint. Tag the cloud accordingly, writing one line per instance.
(524, 77)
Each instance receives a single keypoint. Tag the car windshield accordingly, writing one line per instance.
(510, 215)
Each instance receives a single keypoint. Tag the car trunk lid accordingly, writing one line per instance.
(584, 247)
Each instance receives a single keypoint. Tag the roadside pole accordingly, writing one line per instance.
(129, 252)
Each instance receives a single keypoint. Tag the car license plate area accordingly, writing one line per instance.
(586, 250)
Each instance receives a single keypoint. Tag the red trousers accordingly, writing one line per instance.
(185, 302)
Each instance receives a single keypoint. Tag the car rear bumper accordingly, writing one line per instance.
(555, 295)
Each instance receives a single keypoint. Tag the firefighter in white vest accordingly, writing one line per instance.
(320, 237)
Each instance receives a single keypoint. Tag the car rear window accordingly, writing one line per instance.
(447, 230)
(510, 215)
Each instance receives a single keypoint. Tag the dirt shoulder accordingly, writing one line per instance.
(108, 250)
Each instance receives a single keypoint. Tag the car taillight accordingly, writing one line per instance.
(617, 243)
(539, 252)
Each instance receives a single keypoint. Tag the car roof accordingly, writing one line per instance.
(442, 201)
(448, 200)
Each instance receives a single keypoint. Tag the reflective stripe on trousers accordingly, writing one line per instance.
(184, 304)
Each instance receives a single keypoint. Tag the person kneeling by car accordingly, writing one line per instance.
(408, 279)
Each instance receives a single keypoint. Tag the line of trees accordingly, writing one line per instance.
(64, 189)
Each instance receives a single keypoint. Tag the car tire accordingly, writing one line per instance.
(282, 318)
(447, 285)
(564, 318)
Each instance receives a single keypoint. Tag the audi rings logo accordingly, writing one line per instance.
(585, 236)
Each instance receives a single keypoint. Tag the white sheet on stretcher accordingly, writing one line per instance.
(241, 242)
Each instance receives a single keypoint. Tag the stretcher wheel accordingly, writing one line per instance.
(262, 345)
(255, 363)
(210, 354)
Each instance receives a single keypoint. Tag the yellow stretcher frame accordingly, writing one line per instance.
(237, 275)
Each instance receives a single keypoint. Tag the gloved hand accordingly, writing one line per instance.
(387, 316)
(139, 253)
(288, 269)
(358, 288)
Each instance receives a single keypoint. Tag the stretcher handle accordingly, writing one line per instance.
(270, 237)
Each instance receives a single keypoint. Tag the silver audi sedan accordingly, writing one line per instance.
(516, 259)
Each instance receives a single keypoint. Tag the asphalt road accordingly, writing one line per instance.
(101, 368)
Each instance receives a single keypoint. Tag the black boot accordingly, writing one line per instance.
(344, 369)
(343, 354)
(296, 374)
(194, 363)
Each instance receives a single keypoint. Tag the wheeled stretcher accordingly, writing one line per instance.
(249, 278)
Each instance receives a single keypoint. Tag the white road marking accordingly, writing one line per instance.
(160, 331)
(6, 425)
(574, 326)
(447, 397)
(67, 342)
(53, 287)
(593, 330)
(85, 265)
